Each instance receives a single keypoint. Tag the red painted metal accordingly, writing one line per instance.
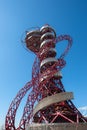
(44, 84)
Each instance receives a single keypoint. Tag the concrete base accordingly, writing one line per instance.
(58, 126)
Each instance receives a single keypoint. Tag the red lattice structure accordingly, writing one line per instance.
(47, 102)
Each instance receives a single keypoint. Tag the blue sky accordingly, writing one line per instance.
(67, 17)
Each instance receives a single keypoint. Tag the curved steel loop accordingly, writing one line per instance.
(35, 68)
(10, 118)
(28, 109)
(61, 38)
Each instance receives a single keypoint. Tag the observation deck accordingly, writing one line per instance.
(35, 37)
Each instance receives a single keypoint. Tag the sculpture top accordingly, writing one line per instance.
(35, 37)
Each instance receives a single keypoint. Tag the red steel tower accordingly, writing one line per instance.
(47, 102)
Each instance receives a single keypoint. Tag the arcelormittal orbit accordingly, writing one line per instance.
(47, 102)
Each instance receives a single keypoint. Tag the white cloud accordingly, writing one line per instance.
(83, 110)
